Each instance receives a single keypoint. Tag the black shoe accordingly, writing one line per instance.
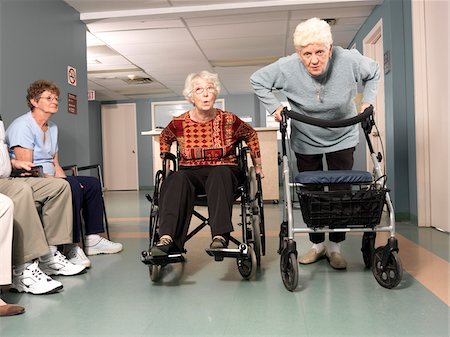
(219, 242)
(164, 247)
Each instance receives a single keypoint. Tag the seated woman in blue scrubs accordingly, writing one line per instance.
(33, 137)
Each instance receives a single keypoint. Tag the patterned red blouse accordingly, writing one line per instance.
(211, 143)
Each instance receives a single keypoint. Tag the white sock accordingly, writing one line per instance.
(51, 252)
(21, 267)
(319, 247)
(92, 239)
(335, 247)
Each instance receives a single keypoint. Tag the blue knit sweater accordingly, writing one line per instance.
(337, 87)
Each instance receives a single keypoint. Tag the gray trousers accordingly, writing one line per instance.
(42, 215)
(6, 233)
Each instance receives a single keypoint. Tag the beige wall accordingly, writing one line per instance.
(431, 76)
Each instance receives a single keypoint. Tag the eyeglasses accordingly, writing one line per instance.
(201, 90)
(50, 98)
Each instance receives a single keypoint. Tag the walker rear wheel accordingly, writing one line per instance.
(289, 270)
(368, 248)
(390, 276)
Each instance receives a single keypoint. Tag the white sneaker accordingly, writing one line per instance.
(104, 246)
(59, 265)
(33, 280)
(77, 256)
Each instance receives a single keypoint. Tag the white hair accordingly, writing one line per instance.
(206, 75)
(311, 31)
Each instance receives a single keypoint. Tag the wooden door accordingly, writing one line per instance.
(119, 137)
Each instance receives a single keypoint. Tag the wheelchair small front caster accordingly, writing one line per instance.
(247, 266)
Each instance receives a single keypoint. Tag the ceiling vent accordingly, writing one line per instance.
(138, 80)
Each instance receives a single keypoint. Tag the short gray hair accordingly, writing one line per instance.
(311, 31)
(204, 74)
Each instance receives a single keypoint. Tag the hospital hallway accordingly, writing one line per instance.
(202, 297)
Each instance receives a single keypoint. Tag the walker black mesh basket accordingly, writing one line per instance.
(343, 208)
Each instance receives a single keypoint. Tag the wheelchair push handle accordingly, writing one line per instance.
(363, 117)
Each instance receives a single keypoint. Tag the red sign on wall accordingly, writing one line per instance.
(72, 103)
(71, 75)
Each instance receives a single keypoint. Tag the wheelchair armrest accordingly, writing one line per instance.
(72, 168)
(35, 171)
(168, 157)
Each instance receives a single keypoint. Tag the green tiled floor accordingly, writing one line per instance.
(206, 298)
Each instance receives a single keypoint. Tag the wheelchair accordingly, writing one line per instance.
(247, 250)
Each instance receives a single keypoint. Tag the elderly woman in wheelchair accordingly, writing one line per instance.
(207, 165)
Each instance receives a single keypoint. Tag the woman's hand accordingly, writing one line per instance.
(277, 113)
(364, 106)
(59, 172)
(258, 170)
(22, 164)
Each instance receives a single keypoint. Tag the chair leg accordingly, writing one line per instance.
(82, 238)
(106, 219)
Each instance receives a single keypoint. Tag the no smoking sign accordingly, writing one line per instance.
(71, 75)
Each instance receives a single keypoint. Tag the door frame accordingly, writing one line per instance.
(369, 49)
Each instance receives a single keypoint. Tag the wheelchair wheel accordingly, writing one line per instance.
(247, 265)
(256, 238)
(368, 247)
(289, 270)
(258, 206)
(155, 272)
(390, 276)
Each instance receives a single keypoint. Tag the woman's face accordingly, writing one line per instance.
(315, 57)
(46, 102)
(203, 94)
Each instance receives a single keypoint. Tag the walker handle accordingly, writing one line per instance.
(329, 123)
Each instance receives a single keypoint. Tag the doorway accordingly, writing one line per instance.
(373, 48)
(119, 137)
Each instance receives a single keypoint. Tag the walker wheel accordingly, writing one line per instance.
(390, 276)
(247, 265)
(368, 247)
(155, 272)
(289, 270)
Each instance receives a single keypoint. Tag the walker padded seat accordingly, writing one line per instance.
(333, 177)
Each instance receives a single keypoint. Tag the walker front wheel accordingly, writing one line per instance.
(289, 270)
(391, 275)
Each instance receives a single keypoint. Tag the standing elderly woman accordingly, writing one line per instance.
(208, 164)
(33, 137)
(320, 81)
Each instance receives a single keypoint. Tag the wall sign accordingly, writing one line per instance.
(71, 75)
(91, 95)
(72, 103)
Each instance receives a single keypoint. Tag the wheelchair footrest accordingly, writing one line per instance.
(221, 253)
(147, 258)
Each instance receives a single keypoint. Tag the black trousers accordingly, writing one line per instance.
(339, 160)
(177, 199)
